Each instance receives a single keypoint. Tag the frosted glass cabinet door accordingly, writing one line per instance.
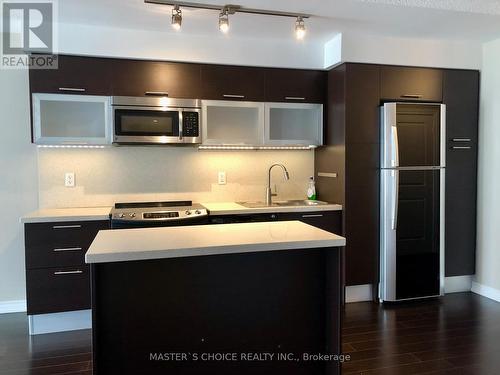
(294, 124)
(232, 123)
(71, 119)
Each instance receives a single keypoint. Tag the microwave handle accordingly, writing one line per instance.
(181, 123)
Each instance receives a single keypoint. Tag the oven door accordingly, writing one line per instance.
(146, 125)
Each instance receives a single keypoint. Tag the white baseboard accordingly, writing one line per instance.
(456, 284)
(358, 293)
(12, 306)
(59, 322)
(486, 291)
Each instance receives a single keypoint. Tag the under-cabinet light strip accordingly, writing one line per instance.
(71, 146)
(209, 147)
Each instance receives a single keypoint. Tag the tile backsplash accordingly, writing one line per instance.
(113, 174)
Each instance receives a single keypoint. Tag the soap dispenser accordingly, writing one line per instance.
(311, 189)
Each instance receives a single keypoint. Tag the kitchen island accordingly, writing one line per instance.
(252, 298)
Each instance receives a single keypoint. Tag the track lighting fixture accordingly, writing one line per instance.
(300, 28)
(224, 20)
(176, 18)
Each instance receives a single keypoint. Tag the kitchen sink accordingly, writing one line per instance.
(289, 203)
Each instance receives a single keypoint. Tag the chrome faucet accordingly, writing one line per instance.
(286, 176)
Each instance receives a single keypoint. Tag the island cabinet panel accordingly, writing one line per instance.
(74, 75)
(275, 302)
(294, 85)
(155, 78)
(221, 82)
(57, 278)
(461, 96)
(414, 84)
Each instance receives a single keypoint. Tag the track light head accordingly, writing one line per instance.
(300, 28)
(224, 20)
(176, 18)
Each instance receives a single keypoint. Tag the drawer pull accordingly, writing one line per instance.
(72, 89)
(461, 139)
(294, 98)
(57, 273)
(66, 226)
(412, 96)
(461, 147)
(68, 249)
(233, 96)
(313, 215)
(156, 93)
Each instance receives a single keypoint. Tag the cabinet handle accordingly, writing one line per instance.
(57, 273)
(313, 215)
(72, 89)
(233, 96)
(412, 96)
(68, 249)
(294, 98)
(156, 93)
(461, 147)
(327, 174)
(66, 226)
(461, 139)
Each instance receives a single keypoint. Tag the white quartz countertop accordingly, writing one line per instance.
(172, 242)
(67, 214)
(233, 208)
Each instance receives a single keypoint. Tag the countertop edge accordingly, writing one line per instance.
(215, 250)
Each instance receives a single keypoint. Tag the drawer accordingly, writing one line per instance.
(59, 244)
(58, 289)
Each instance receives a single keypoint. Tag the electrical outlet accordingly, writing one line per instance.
(69, 179)
(222, 178)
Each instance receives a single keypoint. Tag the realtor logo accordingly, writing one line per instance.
(28, 27)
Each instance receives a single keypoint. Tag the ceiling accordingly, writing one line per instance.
(477, 20)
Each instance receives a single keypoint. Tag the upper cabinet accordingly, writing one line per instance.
(415, 84)
(71, 119)
(221, 82)
(293, 124)
(74, 75)
(294, 85)
(142, 78)
(232, 123)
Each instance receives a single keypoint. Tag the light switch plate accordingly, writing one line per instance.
(69, 179)
(222, 177)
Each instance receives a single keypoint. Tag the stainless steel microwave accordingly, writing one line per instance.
(156, 120)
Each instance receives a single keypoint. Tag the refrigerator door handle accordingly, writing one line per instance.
(395, 202)
(395, 142)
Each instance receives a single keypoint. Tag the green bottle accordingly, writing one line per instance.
(311, 189)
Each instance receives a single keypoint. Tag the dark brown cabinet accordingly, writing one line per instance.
(294, 85)
(57, 278)
(352, 154)
(74, 75)
(140, 78)
(221, 82)
(415, 84)
(327, 220)
(461, 96)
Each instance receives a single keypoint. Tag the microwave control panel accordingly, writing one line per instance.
(190, 124)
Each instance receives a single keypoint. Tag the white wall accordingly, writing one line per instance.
(488, 210)
(377, 49)
(18, 182)
(121, 174)
(218, 48)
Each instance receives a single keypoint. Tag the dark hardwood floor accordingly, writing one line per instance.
(457, 334)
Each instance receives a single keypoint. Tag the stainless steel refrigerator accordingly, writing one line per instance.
(412, 179)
